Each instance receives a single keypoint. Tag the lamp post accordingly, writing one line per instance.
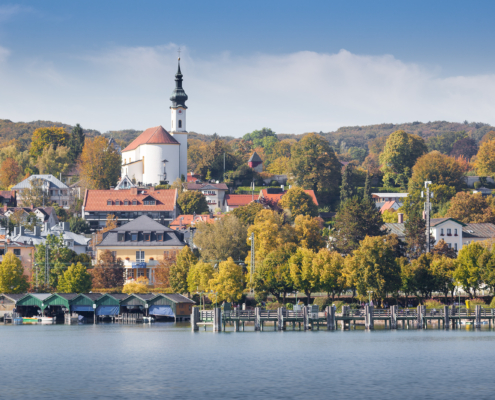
(427, 213)
(369, 296)
(251, 238)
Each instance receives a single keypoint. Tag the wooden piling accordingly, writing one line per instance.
(305, 318)
(393, 317)
(477, 317)
(195, 319)
(257, 319)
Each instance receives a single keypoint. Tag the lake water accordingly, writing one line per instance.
(169, 361)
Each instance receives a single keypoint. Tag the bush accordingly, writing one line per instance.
(338, 305)
(431, 303)
(477, 302)
(289, 306)
(322, 302)
(477, 184)
(273, 305)
(274, 183)
(158, 187)
(492, 304)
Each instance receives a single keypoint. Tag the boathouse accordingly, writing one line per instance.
(172, 305)
(31, 304)
(108, 305)
(8, 302)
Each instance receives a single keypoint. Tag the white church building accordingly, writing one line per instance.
(156, 155)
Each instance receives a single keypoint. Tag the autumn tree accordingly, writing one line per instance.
(315, 165)
(280, 166)
(162, 270)
(9, 173)
(465, 147)
(100, 163)
(75, 279)
(108, 272)
(399, 156)
(224, 238)
(192, 201)
(329, 266)
(471, 208)
(356, 219)
(246, 214)
(485, 160)
(443, 249)
(227, 283)
(76, 142)
(140, 285)
(179, 270)
(469, 268)
(309, 232)
(304, 277)
(297, 202)
(43, 137)
(54, 161)
(198, 279)
(12, 278)
(437, 168)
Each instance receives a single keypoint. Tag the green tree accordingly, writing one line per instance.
(424, 279)
(222, 239)
(192, 201)
(257, 136)
(415, 238)
(373, 267)
(76, 142)
(304, 276)
(180, 270)
(246, 214)
(12, 278)
(199, 277)
(408, 283)
(297, 202)
(75, 280)
(54, 161)
(487, 262)
(367, 186)
(36, 195)
(78, 225)
(315, 165)
(346, 189)
(469, 269)
(59, 258)
(227, 283)
(100, 163)
(355, 220)
(43, 137)
(443, 269)
(329, 266)
(400, 154)
(437, 168)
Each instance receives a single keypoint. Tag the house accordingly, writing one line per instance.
(8, 198)
(24, 250)
(188, 220)
(484, 191)
(141, 244)
(191, 177)
(255, 162)
(214, 193)
(46, 216)
(129, 204)
(477, 232)
(232, 201)
(274, 195)
(384, 197)
(73, 241)
(56, 191)
(391, 205)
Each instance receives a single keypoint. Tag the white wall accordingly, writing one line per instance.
(178, 114)
(453, 240)
(154, 154)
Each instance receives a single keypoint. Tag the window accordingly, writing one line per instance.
(455, 246)
(455, 232)
(139, 256)
(126, 202)
(449, 232)
(121, 237)
(441, 232)
(180, 123)
(149, 202)
(147, 237)
(450, 245)
(109, 202)
(159, 237)
(17, 252)
(117, 202)
(134, 237)
(134, 202)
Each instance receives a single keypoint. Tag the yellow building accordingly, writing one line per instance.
(141, 244)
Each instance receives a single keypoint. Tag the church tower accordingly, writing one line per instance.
(178, 126)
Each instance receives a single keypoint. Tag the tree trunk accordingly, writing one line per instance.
(308, 294)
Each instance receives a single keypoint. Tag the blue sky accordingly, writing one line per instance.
(290, 65)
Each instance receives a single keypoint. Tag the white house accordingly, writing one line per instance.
(214, 193)
(157, 155)
(57, 191)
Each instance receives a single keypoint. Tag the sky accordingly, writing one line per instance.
(292, 66)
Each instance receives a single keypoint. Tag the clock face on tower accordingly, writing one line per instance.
(180, 111)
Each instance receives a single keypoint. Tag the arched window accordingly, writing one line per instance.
(180, 123)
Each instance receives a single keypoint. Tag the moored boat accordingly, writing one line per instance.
(30, 320)
(46, 320)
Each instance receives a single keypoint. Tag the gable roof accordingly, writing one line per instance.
(439, 221)
(388, 205)
(481, 230)
(177, 298)
(50, 179)
(380, 195)
(206, 186)
(275, 197)
(237, 200)
(96, 200)
(155, 135)
(142, 223)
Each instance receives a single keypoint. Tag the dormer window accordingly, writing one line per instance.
(149, 202)
(147, 237)
(134, 237)
(159, 237)
(109, 202)
(134, 202)
(117, 202)
(121, 237)
(126, 202)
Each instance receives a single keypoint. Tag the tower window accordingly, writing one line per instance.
(180, 123)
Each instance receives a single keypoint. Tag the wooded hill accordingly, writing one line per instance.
(342, 139)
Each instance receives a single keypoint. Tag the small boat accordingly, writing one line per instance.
(28, 320)
(148, 320)
(46, 320)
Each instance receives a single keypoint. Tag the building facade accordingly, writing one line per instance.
(214, 193)
(55, 190)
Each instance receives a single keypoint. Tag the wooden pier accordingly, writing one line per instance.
(310, 318)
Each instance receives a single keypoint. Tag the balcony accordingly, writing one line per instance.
(140, 264)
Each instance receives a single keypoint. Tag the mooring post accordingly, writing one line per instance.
(195, 319)
(452, 315)
(419, 318)
(305, 318)
(372, 320)
(280, 318)
(393, 317)
(477, 316)
(446, 319)
(366, 317)
(217, 319)
(331, 314)
(257, 319)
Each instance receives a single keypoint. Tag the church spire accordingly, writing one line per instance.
(179, 96)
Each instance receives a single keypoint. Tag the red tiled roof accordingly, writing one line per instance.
(96, 200)
(156, 135)
(277, 196)
(7, 194)
(192, 177)
(237, 200)
(387, 206)
(188, 220)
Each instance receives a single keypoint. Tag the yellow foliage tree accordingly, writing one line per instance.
(309, 232)
(199, 277)
(280, 166)
(12, 278)
(227, 283)
(485, 160)
(43, 137)
(54, 161)
(390, 216)
(140, 285)
(100, 163)
(328, 266)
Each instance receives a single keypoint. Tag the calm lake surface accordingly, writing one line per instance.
(169, 361)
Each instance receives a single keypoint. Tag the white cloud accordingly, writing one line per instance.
(293, 93)
(7, 11)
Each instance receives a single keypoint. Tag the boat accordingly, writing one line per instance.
(30, 320)
(148, 320)
(46, 320)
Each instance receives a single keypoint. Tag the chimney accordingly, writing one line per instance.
(37, 231)
(15, 231)
(21, 230)
(134, 191)
(151, 189)
(66, 226)
(5, 208)
(31, 206)
(400, 216)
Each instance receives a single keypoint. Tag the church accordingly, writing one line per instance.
(157, 156)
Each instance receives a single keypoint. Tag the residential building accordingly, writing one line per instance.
(187, 220)
(274, 195)
(8, 198)
(141, 244)
(477, 232)
(214, 193)
(73, 241)
(191, 177)
(391, 205)
(156, 155)
(129, 204)
(384, 197)
(233, 201)
(56, 191)
(24, 250)
(46, 216)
